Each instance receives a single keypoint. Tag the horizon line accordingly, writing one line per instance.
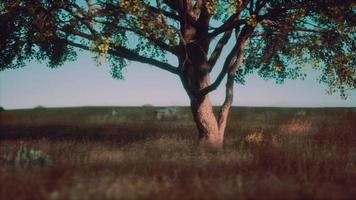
(158, 106)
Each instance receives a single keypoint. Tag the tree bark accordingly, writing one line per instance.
(225, 108)
(206, 122)
(202, 109)
(194, 73)
(211, 129)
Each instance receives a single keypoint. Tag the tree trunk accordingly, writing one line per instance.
(206, 122)
(211, 129)
(194, 73)
(203, 115)
(195, 77)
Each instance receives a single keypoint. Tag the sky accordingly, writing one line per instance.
(83, 83)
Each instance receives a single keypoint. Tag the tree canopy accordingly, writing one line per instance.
(281, 36)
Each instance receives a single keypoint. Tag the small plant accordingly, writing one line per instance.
(254, 138)
(25, 156)
(260, 138)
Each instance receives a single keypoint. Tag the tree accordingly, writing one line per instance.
(272, 38)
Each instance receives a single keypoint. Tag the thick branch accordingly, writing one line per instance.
(229, 90)
(224, 70)
(233, 60)
(218, 49)
(165, 13)
(154, 40)
(123, 51)
(78, 33)
(130, 55)
(291, 28)
(224, 110)
(231, 23)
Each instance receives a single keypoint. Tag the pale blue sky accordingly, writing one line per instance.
(82, 83)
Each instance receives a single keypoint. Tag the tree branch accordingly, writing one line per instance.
(155, 41)
(130, 55)
(229, 90)
(233, 60)
(122, 51)
(251, 7)
(225, 107)
(165, 13)
(227, 64)
(231, 23)
(261, 3)
(218, 49)
(291, 28)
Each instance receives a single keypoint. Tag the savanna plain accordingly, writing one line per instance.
(127, 153)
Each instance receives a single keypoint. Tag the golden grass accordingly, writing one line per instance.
(297, 127)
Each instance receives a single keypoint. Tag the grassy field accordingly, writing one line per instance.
(95, 153)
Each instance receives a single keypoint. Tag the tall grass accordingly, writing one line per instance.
(269, 153)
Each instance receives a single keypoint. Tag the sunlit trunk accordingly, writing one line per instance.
(206, 122)
(203, 115)
(195, 77)
(211, 129)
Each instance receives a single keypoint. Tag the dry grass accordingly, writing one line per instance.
(269, 153)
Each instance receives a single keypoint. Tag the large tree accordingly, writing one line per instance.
(273, 38)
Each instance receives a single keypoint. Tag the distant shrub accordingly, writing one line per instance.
(39, 107)
(148, 106)
(170, 113)
(25, 156)
(1, 109)
(114, 113)
(112, 117)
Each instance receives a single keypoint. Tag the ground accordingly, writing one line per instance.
(125, 153)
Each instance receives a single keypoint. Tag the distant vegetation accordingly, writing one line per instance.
(147, 105)
(39, 107)
(269, 153)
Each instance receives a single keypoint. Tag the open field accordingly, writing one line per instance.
(95, 153)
